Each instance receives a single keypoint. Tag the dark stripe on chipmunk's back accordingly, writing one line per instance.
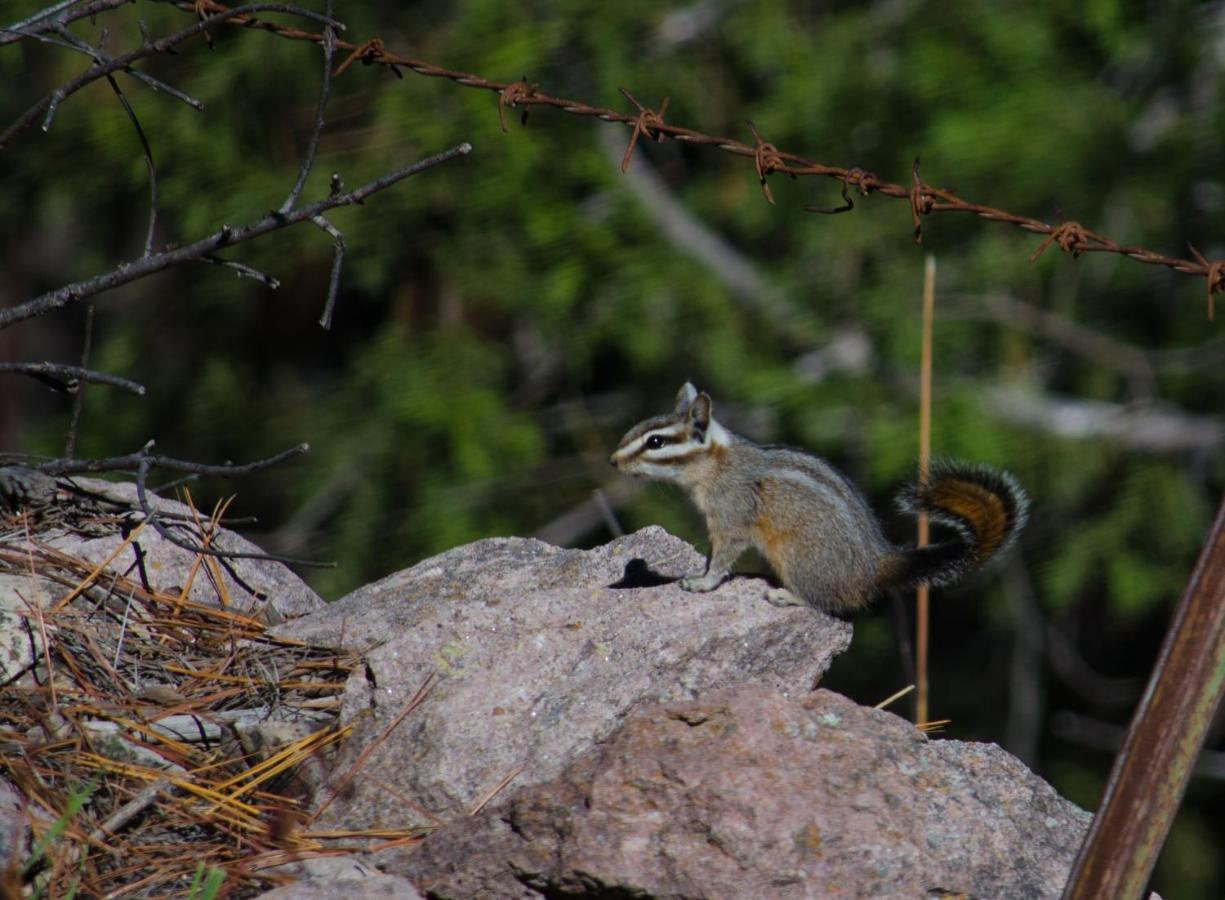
(824, 475)
(981, 508)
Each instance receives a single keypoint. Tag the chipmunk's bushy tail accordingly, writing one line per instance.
(983, 507)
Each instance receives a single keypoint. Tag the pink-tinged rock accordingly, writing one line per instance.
(538, 653)
(749, 793)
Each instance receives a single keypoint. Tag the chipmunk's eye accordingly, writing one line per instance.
(654, 442)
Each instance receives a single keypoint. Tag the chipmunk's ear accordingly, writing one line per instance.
(685, 397)
(699, 415)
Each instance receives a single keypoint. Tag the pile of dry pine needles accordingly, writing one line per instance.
(154, 738)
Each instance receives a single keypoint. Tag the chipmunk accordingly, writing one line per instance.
(813, 525)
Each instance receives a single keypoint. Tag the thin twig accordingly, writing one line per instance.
(312, 145)
(78, 400)
(338, 261)
(39, 16)
(50, 19)
(493, 792)
(243, 270)
(51, 102)
(148, 151)
(130, 810)
(131, 461)
(69, 378)
(72, 42)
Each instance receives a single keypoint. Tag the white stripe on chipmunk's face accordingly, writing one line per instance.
(662, 447)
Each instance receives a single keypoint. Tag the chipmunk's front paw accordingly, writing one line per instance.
(783, 597)
(701, 583)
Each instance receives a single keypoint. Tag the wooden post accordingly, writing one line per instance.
(1150, 773)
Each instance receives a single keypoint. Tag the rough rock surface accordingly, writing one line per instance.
(539, 652)
(748, 793)
(20, 639)
(377, 887)
(329, 877)
(14, 827)
(249, 585)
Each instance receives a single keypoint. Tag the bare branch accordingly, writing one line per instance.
(133, 460)
(69, 378)
(49, 19)
(78, 401)
(243, 270)
(72, 42)
(338, 260)
(205, 247)
(148, 151)
(312, 145)
(51, 102)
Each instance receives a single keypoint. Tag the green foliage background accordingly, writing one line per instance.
(504, 318)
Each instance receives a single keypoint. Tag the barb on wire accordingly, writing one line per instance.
(511, 96)
(921, 201)
(847, 203)
(767, 160)
(1214, 272)
(645, 125)
(1071, 238)
(922, 198)
(369, 53)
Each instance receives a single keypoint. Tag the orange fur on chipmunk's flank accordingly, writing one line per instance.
(773, 541)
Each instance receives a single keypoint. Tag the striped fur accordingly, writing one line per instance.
(807, 519)
(984, 508)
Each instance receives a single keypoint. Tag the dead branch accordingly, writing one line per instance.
(130, 462)
(48, 105)
(69, 379)
(53, 17)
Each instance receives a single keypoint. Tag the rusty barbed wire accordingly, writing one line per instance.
(923, 199)
(647, 124)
